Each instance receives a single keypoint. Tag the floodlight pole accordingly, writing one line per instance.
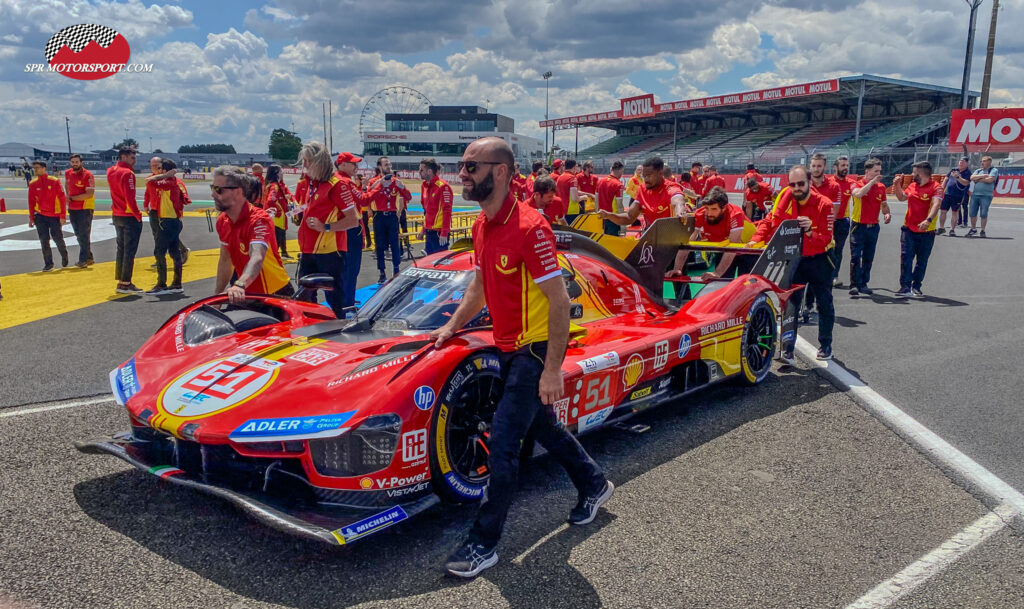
(965, 87)
(547, 89)
(67, 125)
(987, 79)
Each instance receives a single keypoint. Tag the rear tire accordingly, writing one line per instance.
(460, 429)
(759, 342)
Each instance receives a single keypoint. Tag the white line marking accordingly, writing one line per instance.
(20, 411)
(919, 436)
(519, 559)
(934, 562)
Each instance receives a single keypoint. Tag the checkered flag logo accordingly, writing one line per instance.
(75, 37)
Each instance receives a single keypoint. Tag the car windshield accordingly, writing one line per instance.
(419, 299)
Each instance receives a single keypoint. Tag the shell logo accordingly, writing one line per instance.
(366, 483)
(633, 370)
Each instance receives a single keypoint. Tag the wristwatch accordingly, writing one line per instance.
(327, 227)
(239, 284)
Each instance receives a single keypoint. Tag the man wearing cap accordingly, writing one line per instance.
(347, 164)
(917, 235)
(955, 185)
(47, 212)
(389, 196)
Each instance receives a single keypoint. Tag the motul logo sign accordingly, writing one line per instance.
(638, 107)
(987, 130)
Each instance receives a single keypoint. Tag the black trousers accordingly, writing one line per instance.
(915, 249)
(167, 242)
(49, 228)
(332, 264)
(81, 222)
(282, 240)
(815, 272)
(154, 224)
(385, 233)
(128, 230)
(520, 412)
(863, 239)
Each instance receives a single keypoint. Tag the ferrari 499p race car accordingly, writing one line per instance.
(334, 429)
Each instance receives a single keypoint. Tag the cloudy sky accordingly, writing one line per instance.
(227, 71)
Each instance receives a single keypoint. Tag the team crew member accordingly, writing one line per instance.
(829, 188)
(48, 210)
(248, 247)
(436, 198)
(127, 218)
(635, 182)
(536, 169)
(364, 209)
(257, 172)
(389, 196)
(151, 202)
(954, 197)
(755, 198)
(586, 185)
(519, 190)
(752, 173)
(868, 200)
(984, 185)
(545, 200)
(276, 200)
(330, 210)
(567, 189)
(556, 169)
(688, 192)
(841, 225)
(917, 235)
(814, 213)
(657, 198)
(610, 190)
(170, 207)
(519, 279)
(713, 180)
(715, 221)
(81, 190)
(348, 166)
(697, 177)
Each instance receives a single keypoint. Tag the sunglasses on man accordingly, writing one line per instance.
(471, 166)
(220, 189)
(799, 184)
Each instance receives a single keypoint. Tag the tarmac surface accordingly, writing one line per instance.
(785, 495)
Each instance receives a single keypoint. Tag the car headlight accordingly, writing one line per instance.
(364, 450)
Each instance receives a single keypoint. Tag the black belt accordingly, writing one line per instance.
(390, 213)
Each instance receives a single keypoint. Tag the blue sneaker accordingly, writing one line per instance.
(586, 509)
(904, 293)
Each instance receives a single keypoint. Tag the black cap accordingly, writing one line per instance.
(923, 165)
(965, 159)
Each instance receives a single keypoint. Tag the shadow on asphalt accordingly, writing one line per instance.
(846, 322)
(210, 538)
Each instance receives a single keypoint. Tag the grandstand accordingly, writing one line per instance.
(859, 116)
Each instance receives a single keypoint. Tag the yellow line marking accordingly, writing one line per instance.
(33, 296)
(106, 213)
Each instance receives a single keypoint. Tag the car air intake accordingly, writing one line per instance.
(364, 450)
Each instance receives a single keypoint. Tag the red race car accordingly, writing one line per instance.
(337, 429)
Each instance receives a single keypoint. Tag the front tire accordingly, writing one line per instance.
(759, 342)
(460, 429)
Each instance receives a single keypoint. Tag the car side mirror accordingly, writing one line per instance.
(317, 281)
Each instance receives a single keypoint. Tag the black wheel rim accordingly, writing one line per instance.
(761, 336)
(469, 426)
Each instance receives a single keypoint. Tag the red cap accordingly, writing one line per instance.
(556, 163)
(347, 157)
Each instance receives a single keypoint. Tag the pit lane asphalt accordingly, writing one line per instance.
(786, 495)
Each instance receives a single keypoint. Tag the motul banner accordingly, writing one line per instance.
(988, 130)
(637, 107)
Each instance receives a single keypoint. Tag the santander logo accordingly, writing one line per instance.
(87, 51)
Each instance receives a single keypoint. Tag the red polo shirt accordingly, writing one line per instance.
(436, 198)
(697, 183)
(818, 208)
(121, 179)
(711, 182)
(609, 189)
(77, 182)
(919, 203)
(731, 219)
(846, 186)
(866, 209)
(563, 185)
(586, 183)
(831, 190)
(46, 197)
(657, 203)
(385, 198)
(253, 226)
(514, 252)
(327, 201)
(752, 174)
(764, 193)
(276, 204)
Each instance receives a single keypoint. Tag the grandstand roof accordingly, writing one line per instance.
(837, 96)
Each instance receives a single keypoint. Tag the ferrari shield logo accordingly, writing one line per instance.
(504, 260)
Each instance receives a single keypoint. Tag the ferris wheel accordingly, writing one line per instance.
(392, 100)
